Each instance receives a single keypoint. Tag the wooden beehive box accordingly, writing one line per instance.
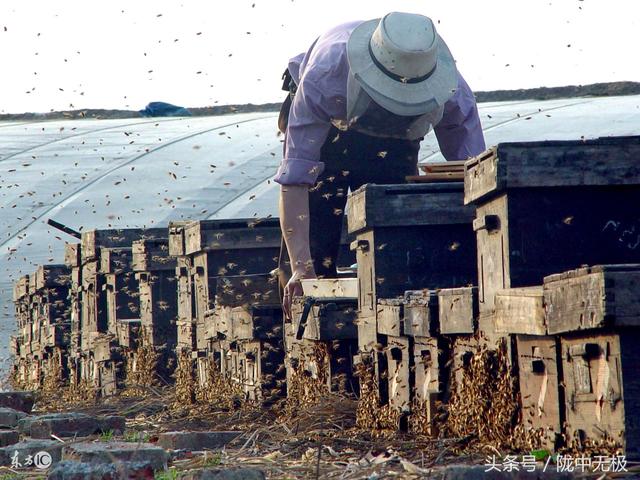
(322, 343)
(185, 324)
(52, 276)
(156, 276)
(409, 237)
(247, 308)
(520, 310)
(538, 358)
(228, 236)
(152, 255)
(547, 207)
(120, 286)
(92, 240)
(458, 310)
(602, 388)
(176, 238)
(593, 297)
(420, 313)
(329, 319)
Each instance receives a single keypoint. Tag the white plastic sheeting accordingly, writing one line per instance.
(144, 172)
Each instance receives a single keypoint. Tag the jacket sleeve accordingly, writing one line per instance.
(315, 103)
(459, 133)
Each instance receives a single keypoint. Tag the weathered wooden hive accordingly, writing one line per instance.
(321, 340)
(248, 326)
(408, 237)
(546, 208)
(43, 316)
(185, 334)
(155, 272)
(108, 285)
(415, 239)
(207, 251)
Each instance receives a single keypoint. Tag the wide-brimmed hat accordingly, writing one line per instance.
(402, 63)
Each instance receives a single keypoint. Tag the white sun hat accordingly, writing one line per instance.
(402, 63)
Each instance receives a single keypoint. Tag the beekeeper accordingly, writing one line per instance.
(361, 100)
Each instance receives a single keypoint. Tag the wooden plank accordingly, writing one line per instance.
(21, 288)
(407, 205)
(330, 287)
(176, 238)
(398, 373)
(538, 360)
(72, 254)
(464, 347)
(593, 298)
(390, 316)
(158, 302)
(186, 310)
(520, 310)
(492, 252)
(603, 161)
(420, 313)
(434, 177)
(128, 332)
(443, 166)
(92, 240)
(231, 234)
(427, 371)
(457, 310)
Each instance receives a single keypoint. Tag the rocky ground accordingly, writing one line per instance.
(152, 437)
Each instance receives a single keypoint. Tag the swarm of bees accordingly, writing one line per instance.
(308, 378)
(484, 401)
(141, 368)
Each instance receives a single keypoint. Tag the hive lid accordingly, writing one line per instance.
(599, 162)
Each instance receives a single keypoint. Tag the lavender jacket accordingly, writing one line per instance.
(321, 76)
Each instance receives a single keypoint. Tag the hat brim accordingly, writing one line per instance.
(398, 97)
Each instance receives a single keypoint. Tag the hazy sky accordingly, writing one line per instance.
(123, 54)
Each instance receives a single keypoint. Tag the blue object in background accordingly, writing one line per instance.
(163, 109)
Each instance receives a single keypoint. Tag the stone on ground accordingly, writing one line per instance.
(196, 441)
(9, 437)
(30, 448)
(115, 452)
(225, 474)
(9, 417)
(70, 425)
(22, 401)
(69, 470)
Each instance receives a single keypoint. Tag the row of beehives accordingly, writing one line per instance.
(528, 212)
(126, 302)
(78, 322)
(532, 210)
